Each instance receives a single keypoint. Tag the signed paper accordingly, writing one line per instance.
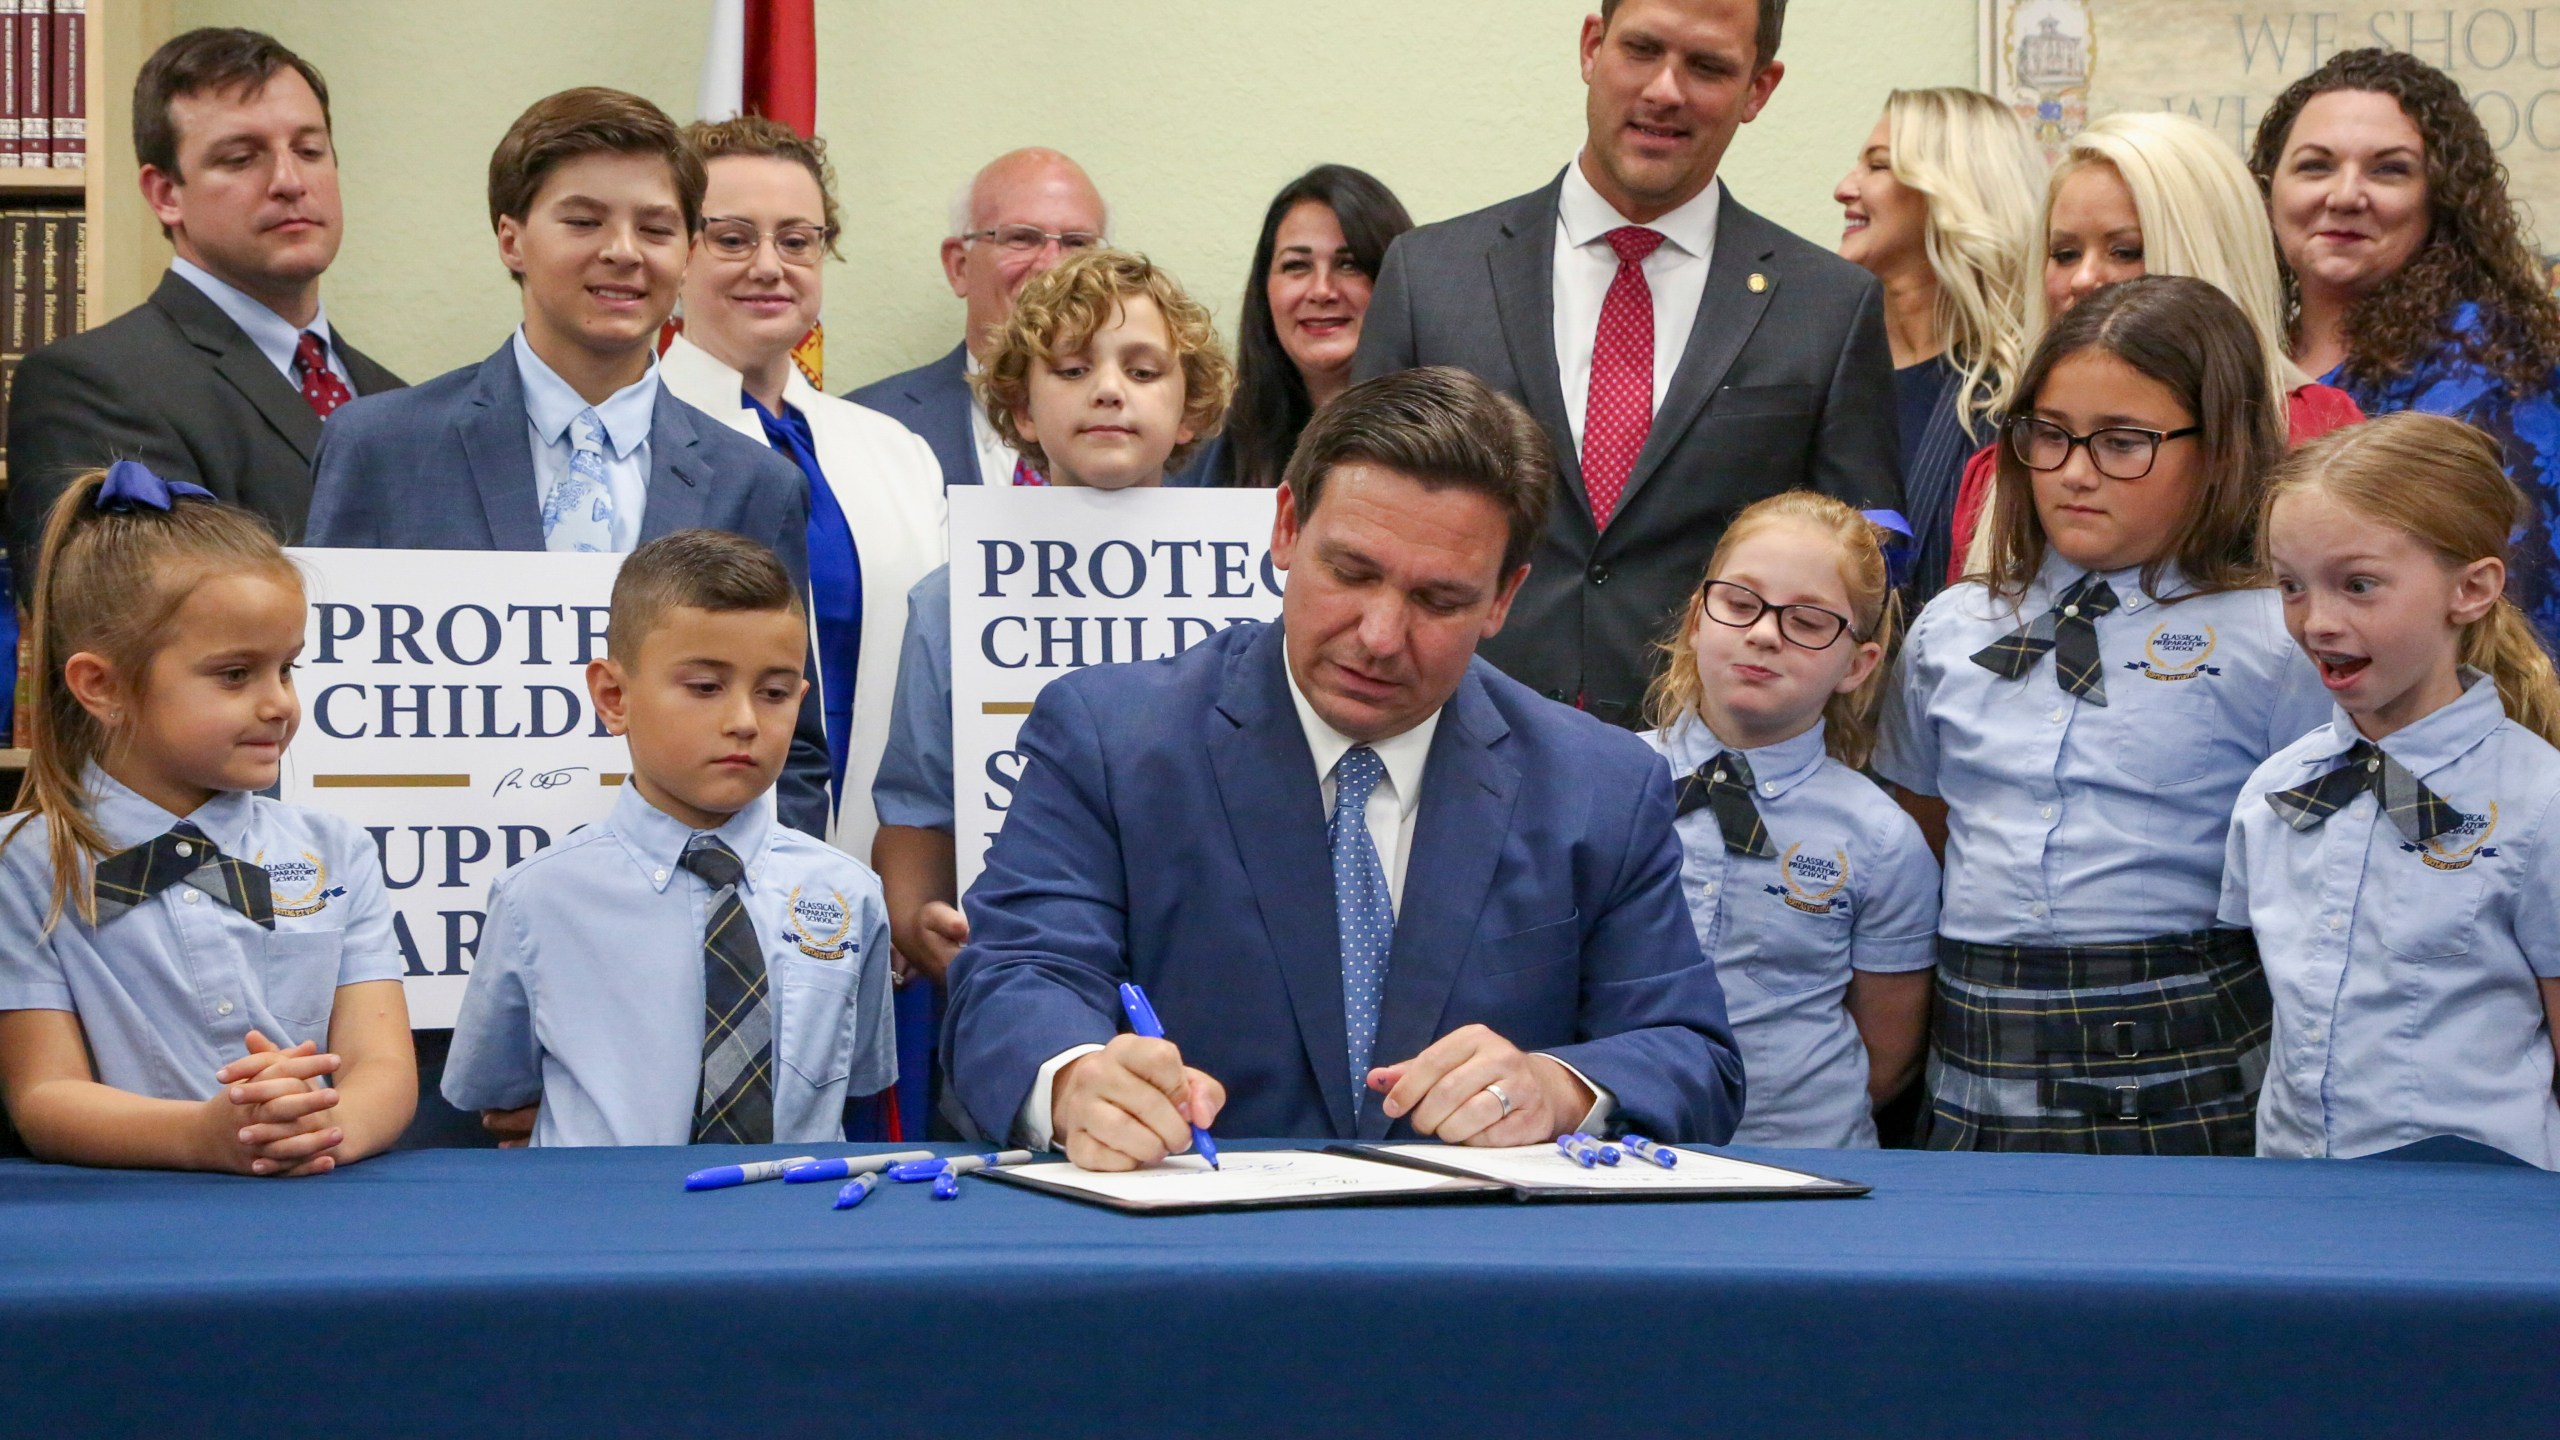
(1531, 1167)
(1261, 1177)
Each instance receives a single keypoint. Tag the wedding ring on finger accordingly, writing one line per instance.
(1496, 1092)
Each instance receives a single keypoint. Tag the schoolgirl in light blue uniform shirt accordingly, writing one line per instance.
(168, 992)
(588, 990)
(1852, 887)
(2070, 823)
(2405, 975)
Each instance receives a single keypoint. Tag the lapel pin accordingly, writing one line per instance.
(1757, 283)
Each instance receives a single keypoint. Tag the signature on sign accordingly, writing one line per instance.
(517, 779)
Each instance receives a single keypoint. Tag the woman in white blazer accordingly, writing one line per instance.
(751, 291)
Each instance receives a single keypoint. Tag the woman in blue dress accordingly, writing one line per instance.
(2411, 283)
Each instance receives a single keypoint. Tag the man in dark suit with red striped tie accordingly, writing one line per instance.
(1685, 356)
(223, 376)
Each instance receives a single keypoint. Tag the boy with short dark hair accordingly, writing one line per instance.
(565, 439)
(686, 971)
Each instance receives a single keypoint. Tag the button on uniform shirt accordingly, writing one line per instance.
(1676, 272)
(276, 337)
(168, 992)
(913, 784)
(550, 409)
(1394, 803)
(588, 990)
(2072, 823)
(996, 459)
(1852, 887)
(2405, 976)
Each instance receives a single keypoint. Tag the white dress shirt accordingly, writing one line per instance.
(1676, 272)
(274, 335)
(995, 458)
(1390, 814)
(551, 407)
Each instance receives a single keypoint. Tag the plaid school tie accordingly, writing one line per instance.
(2070, 631)
(1724, 785)
(735, 1104)
(130, 878)
(2415, 811)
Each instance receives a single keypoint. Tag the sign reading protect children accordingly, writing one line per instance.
(1045, 581)
(456, 730)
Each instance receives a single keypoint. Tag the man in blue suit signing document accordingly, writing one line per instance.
(1373, 886)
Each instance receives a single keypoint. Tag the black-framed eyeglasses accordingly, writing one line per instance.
(1741, 607)
(733, 239)
(2121, 452)
(1023, 239)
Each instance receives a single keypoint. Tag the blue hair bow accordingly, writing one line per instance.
(1898, 552)
(130, 483)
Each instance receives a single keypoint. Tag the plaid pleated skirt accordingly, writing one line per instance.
(2146, 1047)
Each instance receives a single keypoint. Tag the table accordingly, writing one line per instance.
(582, 1292)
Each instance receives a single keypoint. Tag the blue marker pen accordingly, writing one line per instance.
(1608, 1154)
(1579, 1154)
(856, 1188)
(846, 1166)
(946, 1186)
(909, 1172)
(1142, 1019)
(721, 1177)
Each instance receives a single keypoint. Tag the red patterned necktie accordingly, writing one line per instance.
(1619, 411)
(1023, 474)
(322, 390)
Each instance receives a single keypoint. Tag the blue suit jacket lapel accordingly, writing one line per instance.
(944, 405)
(500, 456)
(1458, 837)
(679, 493)
(1266, 782)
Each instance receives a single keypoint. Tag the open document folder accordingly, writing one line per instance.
(1400, 1174)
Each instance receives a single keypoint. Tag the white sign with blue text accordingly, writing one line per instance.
(444, 708)
(1045, 581)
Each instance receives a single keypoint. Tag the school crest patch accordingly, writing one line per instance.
(300, 884)
(2176, 650)
(1812, 881)
(2455, 849)
(820, 927)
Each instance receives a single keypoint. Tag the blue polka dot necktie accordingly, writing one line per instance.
(1364, 914)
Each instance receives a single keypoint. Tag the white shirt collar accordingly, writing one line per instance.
(552, 405)
(275, 336)
(1587, 218)
(1404, 756)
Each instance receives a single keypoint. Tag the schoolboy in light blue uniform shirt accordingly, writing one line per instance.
(2070, 823)
(168, 992)
(1852, 887)
(2363, 932)
(614, 983)
(913, 783)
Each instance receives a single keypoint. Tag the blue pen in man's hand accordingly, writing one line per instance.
(1142, 1020)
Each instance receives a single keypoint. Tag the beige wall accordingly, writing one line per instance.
(1189, 113)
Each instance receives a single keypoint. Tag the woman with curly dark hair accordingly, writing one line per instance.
(2409, 281)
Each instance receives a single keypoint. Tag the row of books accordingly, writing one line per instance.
(43, 114)
(44, 272)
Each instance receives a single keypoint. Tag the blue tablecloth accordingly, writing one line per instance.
(570, 1292)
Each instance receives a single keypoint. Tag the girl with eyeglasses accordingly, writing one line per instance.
(1815, 894)
(2151, 193)
(2086, 713)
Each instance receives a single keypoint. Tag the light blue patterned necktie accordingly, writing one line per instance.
(1364, 914)
(578, 513)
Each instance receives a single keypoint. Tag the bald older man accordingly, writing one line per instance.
(1019, 216)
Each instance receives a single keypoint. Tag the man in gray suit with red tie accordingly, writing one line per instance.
(1685, 356)
(223, 376)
